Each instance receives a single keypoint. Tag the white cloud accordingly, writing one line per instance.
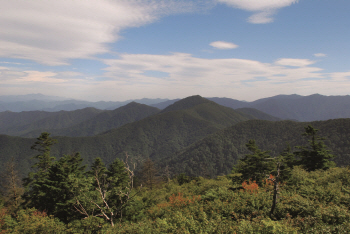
(209, 77)
(52, 32)
(294, 62)
(320, 55)
(128, 77)
(264, 9)
(341, 76)
(223, 45)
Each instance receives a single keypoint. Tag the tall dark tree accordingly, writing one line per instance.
(117, 174)
(59, 188)
(11, 187)
(148, 173)
(34, 190)
(43, 146)
(255, 166)
(99, 173)
(118, 179)
(315, 155)
(287, 161)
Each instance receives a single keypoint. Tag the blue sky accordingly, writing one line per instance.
(115, 50)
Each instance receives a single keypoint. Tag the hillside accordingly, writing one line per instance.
(293, 107)
(308, 108)
(102, 122)
(217, 153)
(21, 124)
(257, 114)
(289, 107)
(84, 122)
(156, 136)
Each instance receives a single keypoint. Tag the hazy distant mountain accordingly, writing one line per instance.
(83, 122)
(20, 124)
(292, 107)
(163, 105)
(232, 103)
(306, 108)
(103, 121)
(256, 114)
(32, 102)
(296, 107)
(30, 97)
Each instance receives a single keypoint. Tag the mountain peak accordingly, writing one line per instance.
(186, 103)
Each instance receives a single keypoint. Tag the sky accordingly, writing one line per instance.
(117, 50)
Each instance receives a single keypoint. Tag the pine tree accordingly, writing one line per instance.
(255, 166)
(287, 161)
(118, 180)
(59, 187)
(99, 173)
(148, 173)
(117, 175)
(34, 183)
(11, 187)
(315, 155)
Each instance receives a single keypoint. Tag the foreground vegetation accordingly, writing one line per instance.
(299, 191)
(310, 202)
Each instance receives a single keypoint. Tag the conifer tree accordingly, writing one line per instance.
(99, 172)
(255, 166)
(59, 187)
(148, 173)
(35, 182)
(315, 155)
(11, 187)
(287, 162)
(118, 179)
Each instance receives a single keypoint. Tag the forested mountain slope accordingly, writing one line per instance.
(17, 124)
(295, 107)
(102, 122)
(83, 122)
(217, 153)
(308, 108)
(257, 114)
(157, 136)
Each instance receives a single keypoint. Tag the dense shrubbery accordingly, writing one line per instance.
(310, 202)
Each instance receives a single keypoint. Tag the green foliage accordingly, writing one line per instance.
(31, 221)
(316, 155)
(88, 225)
(256, 165)
(83, 122)
(60, 182)
(182, 179)
(43, 146)
(35, 182)
(11, 189)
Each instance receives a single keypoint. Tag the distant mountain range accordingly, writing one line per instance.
(289, 107)
(40, 102)
(157, 136)
(90, 121)
(192, 135)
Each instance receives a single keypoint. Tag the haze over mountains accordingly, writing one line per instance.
(192, 135)
(292, 107)
(32, 102)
